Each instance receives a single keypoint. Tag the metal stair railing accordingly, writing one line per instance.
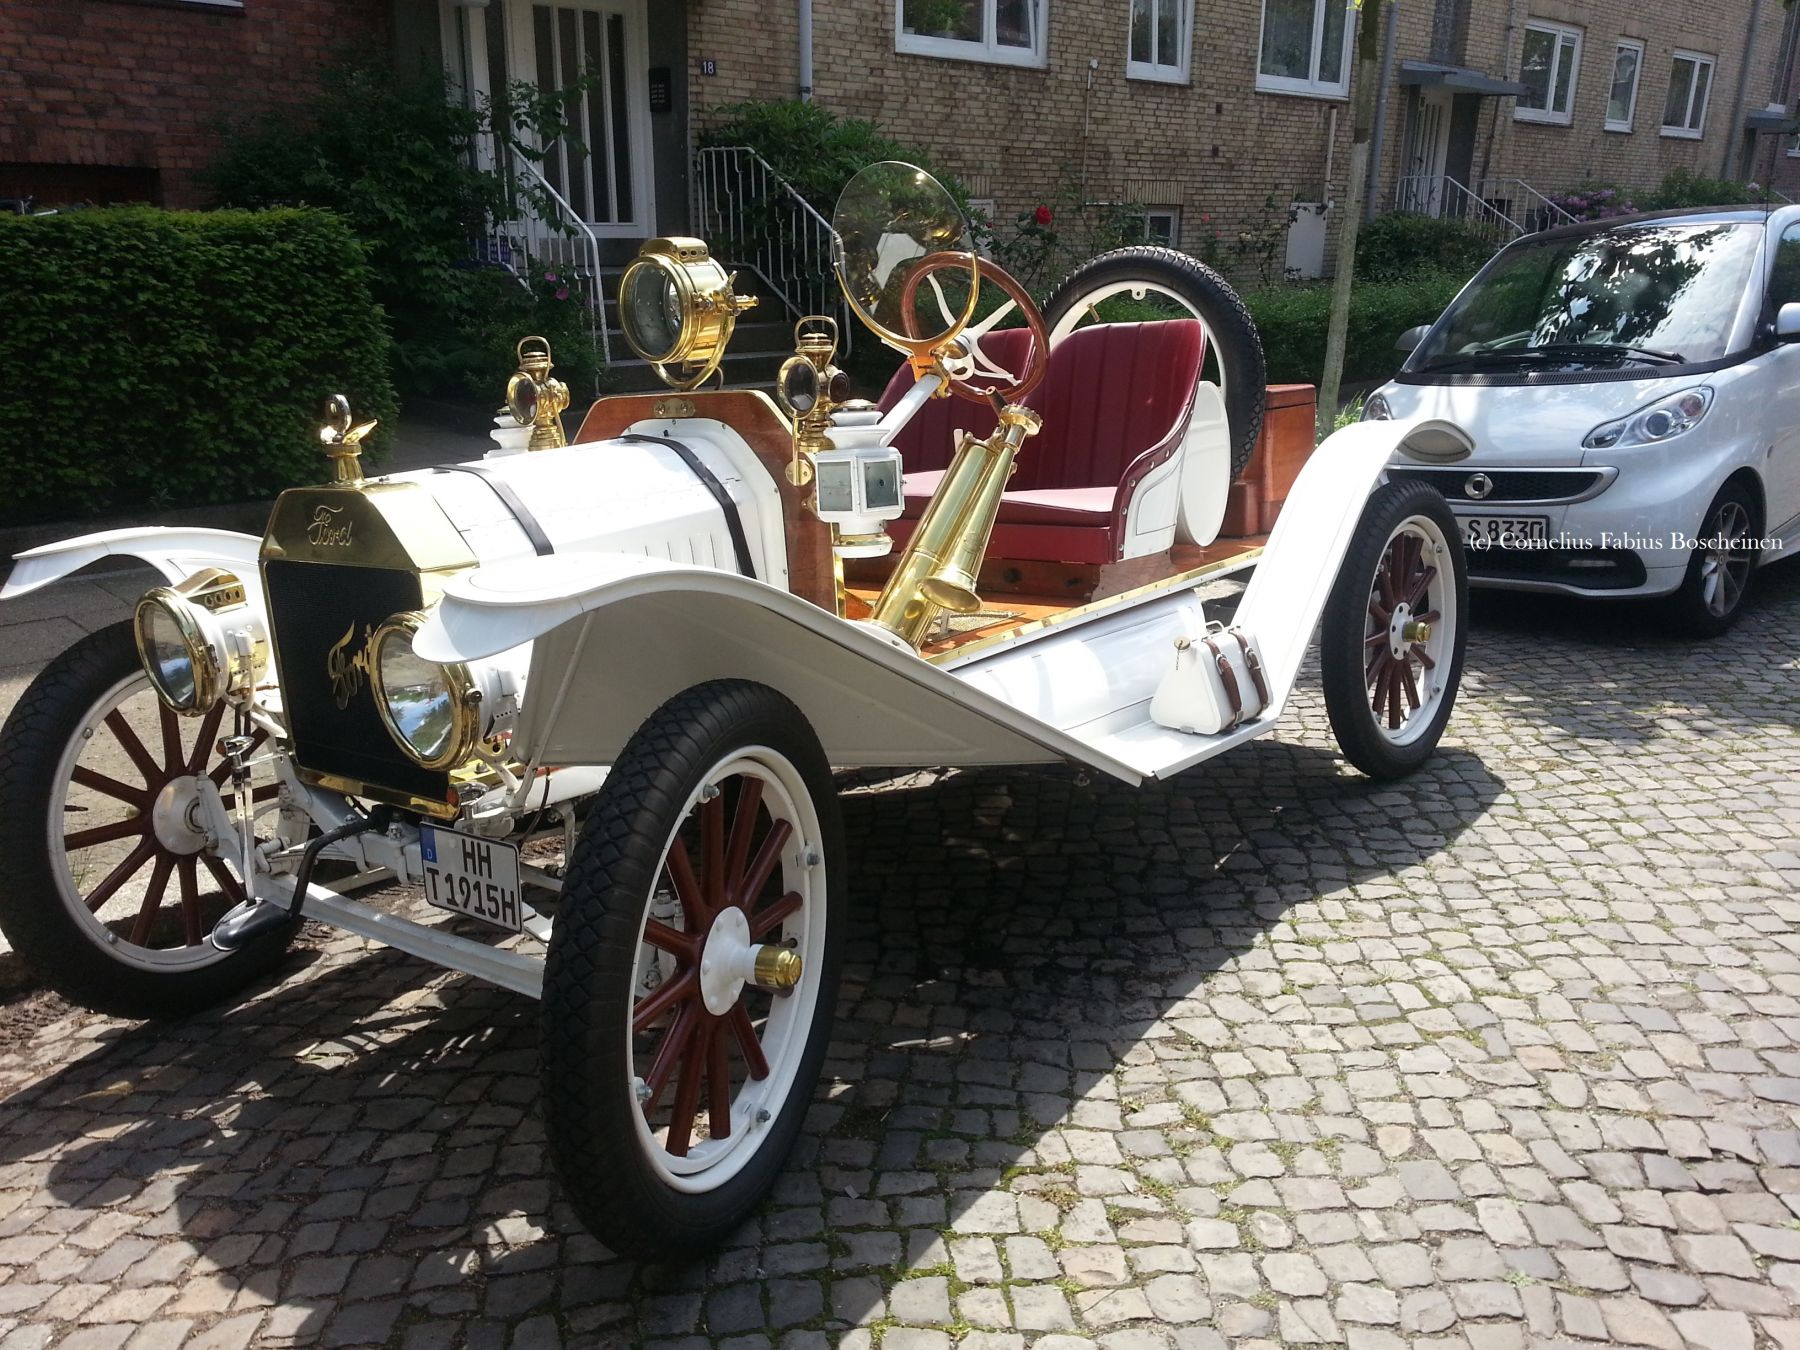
(754, 218)
(1442, 196)
(1526, 201)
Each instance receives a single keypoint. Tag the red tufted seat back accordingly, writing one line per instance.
(1112, 391)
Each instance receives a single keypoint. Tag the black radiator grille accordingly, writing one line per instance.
(323, 616)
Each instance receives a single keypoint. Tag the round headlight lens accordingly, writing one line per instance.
(420, 703)
(652, 313)
(167, 659)
(180, 648)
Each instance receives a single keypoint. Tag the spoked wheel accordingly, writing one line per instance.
(1391, 644)
(1146, 284)
(1711, 596)
(112, 880)
(693, 970)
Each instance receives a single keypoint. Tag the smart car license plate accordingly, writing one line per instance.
(1505, 531)
(468, 875)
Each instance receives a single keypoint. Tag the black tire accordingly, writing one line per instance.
(601, 1133)
(1710, 599)
(72, 955)
(1403, 735)
(1230, 329)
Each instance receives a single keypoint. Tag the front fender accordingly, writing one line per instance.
(175, 552)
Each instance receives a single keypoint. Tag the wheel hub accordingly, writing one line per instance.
(729, 960)
(1398, 623)
(175, 816)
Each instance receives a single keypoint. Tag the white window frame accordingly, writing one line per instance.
(1637, 83)
(1561, 32)
(1683, 131)
(1166, 72)
(1313, 87)
(1793, 146)
(988, 52)
(1173, 213)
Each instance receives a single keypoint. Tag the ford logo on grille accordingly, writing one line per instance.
(1478, 485)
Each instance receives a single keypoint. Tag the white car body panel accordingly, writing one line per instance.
(175, 552)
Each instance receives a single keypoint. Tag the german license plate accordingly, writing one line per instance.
(1505, 531)
(468, 875)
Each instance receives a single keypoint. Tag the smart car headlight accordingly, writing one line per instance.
(438, 712)
(1376, 409)
(199, 641)
(1660, 421)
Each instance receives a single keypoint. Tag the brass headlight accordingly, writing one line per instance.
(677, 309)
(199, 641)
(433, 711)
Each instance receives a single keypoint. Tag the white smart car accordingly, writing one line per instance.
(1631, 389)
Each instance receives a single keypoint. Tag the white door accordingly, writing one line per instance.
(603, 170)
(1428, 152)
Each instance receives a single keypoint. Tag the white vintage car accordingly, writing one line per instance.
(590, 698)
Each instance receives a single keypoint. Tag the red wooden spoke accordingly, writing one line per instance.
(671, 940)
(105, 834)
(153, 894)
(1429, 616)
(1377, 663)
(764, 864)
(1385, 576)
(190, 901)
(687, 1090)
(1382, 616)
(718, 1084)
(223, 771)
(665, 996)
(132, 744)
(1421, 585)
(1394, 699)
(743, 825)
(767, 919)
(1418, 650)
(712, 852)
(670, 1053)
(1412, 688)
(227, 883)
(112, 787)
(203, 743)
(687, 887)
(1379, 694)
(739, 1021)
(121, 874)
(173, 754)
(1375, 640)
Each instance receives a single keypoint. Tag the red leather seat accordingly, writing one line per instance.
(1115, 401)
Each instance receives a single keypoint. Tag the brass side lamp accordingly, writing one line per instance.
(677, 309)
(536, 398)
(342, 438)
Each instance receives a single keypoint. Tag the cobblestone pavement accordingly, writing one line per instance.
(1507, 1055)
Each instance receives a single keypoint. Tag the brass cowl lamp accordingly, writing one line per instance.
(536, 398)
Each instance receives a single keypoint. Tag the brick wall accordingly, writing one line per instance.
(1217, 146)
(114, 100)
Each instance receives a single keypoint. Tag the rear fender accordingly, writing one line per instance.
(176, 553)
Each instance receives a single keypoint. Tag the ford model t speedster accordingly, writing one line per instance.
(590, 698)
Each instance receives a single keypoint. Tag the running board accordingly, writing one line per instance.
(510, 970)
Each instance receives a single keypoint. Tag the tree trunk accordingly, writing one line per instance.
(1362, 121)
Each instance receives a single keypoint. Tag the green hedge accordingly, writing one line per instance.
(1293, 320)
(158, 358)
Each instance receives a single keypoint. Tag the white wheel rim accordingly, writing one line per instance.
(1724, 570)
(1406, 676)
(174, 847)
(709, 1162)
(1084, 305)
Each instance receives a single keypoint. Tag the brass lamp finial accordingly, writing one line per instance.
(535, 398)
(342, 439)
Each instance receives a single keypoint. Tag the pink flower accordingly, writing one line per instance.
(562, 292)
(549, 276)
(1042, 215)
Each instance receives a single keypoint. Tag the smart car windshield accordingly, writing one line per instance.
(1650, 294)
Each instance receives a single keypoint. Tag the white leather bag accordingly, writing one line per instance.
(1217, 683)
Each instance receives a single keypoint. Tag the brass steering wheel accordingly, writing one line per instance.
(972, 374)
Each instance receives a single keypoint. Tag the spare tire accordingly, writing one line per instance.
(1173, 285)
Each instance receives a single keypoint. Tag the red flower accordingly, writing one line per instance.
(1042, 215)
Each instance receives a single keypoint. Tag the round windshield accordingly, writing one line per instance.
(890, 218)
(651, 312)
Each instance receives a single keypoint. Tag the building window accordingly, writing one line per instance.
(1628, 64)
(1305, 47)
(1690, 81)
(1009, 32)
(1548, 68)
(1160, 32)
(1162, 225)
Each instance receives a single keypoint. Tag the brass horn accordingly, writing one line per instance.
(940, 564)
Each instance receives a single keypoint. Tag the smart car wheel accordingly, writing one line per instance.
(1147, 284)
(692, 970)
(1711, 596)
(1391, 643)
(112, 882)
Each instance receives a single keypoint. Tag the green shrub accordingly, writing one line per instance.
(158, 358)
(1403, 244)
(1680, 188)
(1293, 320)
